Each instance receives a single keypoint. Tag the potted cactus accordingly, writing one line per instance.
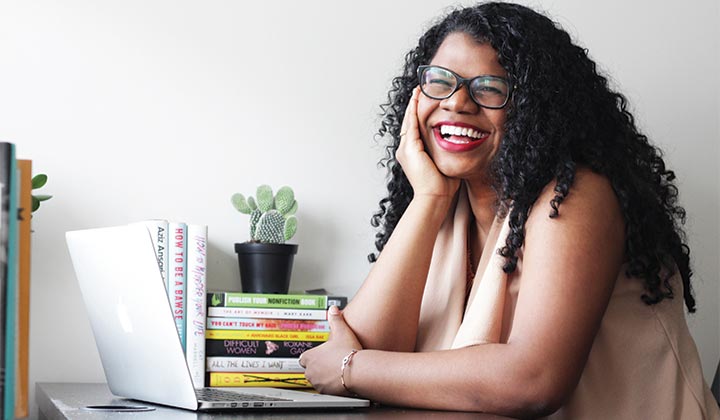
(266, 260)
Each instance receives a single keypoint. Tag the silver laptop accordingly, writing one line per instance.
(135, 332)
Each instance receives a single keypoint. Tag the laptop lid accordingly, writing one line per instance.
(130, 315)
(132, 321)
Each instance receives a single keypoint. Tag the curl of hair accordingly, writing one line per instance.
(562, 114)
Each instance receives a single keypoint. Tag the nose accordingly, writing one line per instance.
(460, 102)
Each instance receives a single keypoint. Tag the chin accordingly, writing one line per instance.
(454, 172)
(453, 167)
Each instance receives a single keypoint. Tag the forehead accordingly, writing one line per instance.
(460, 53)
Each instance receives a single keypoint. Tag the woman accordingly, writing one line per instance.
(531, 259)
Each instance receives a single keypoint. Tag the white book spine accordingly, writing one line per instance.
(177, 274)
(269, 313)
(196, 296)
(254, 364)
(159, 233)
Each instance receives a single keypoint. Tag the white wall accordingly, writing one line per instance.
(146, 109)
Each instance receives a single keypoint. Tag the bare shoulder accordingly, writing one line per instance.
(590, 202)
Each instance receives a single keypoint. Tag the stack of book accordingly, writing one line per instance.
(15, 232)
(181, 251)
(256, 339)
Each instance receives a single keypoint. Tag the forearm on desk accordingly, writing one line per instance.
(485, 378)
(384, 313)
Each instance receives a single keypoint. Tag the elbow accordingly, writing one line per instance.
(527, 396)
(537, 406)
(542, 395)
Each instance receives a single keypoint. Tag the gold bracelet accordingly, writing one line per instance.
(345, 363)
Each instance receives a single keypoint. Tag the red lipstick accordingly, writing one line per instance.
(458, 137)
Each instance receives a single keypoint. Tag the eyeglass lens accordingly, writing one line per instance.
(439, 83)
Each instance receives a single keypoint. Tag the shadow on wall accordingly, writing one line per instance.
(223, 271)
(318, 249)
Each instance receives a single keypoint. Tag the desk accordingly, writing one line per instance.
(69, 401)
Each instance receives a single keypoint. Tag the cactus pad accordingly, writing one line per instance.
(254, 219)
(290, 227)
(265, 200)
(284, 199)
(272, 217)
(293, 209)
(240, 204)
(270, 228)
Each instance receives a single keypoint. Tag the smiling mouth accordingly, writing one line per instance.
(460, 135)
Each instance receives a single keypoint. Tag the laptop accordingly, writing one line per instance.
(135, 332)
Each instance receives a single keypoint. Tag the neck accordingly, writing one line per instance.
(482, 199)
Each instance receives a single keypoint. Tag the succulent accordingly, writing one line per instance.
(272, 217)
(39, 181)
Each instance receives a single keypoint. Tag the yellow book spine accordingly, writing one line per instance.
(267, 335)
(279, 380)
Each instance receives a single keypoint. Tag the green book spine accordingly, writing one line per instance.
(262, 300)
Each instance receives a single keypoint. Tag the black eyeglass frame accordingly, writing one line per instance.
(464, 82)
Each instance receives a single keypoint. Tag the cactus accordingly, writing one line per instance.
(272, 217)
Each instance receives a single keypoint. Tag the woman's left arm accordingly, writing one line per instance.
(568, 272)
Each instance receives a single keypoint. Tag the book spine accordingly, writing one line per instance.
(258, 300)
(254, 364)
(271, 313)
(177, 275)
(159, 233)
(279, 380)
(23, 324)
(257, 348)
(6, 158)
(266, 335)
(339, 301)
(196, 297)
(11, 292)
(216, 323)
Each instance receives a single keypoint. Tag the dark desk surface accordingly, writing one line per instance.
(70, 401)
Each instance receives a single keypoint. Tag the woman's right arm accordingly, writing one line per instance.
(385, 311)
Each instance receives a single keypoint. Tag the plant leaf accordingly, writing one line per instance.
(43, 197)
(35, 204)
(39, 181)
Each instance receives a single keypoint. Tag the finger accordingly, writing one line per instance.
(300, 361)
(410, 117)
(411, 136)
(337, 321)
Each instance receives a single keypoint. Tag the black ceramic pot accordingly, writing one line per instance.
(265, 268)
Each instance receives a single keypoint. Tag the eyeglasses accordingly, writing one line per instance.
(487, 91)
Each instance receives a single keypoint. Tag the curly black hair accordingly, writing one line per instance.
(562, 114)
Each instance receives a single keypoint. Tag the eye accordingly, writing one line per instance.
(439, 82)
(489, 86)
(488, 90)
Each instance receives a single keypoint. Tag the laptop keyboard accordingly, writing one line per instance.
(212, 394)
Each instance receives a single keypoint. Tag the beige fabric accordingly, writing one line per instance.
(643, 363)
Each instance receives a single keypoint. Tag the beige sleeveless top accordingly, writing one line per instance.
(643, 363)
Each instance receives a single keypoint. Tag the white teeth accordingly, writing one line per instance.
(453, 130)
(456, 140)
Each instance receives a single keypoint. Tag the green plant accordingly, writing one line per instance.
(39, 181)
(272, 217)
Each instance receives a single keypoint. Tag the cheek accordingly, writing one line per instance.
(498, 119)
